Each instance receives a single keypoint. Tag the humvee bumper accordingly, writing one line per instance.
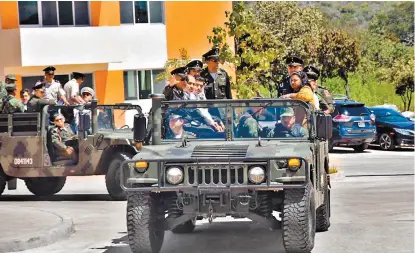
(216, 173)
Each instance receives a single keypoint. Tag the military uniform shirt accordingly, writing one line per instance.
(12, 105)
(325, 99)
(284, 87)
(61, 137)
(218, 84)
(296, 131)
(53, 90)
(36, 104)
(173, 93)
(248, 127)
(3, 93)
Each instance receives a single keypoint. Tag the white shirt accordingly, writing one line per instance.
(72, 90)
(53, 90)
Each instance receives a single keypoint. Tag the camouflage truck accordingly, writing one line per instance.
(188, 173)
(104, 141)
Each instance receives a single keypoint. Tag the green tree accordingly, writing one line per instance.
(402, 76)
(172, 64)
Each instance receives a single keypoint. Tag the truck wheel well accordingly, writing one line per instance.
(108, 155)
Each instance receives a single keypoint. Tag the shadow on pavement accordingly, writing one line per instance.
(58, 197)
(347, 151)
(232, 237)
(404, 149)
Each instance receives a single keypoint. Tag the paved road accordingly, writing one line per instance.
(372, 211)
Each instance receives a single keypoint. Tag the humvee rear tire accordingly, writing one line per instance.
(323, 211)
(2, 185)
(185, 228)
(299, 220)
(145, 222)
(112, 178)
(45, 186)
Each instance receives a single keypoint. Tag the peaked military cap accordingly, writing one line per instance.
(213, 53)
(87, 90)
(312, 72)
(10, 87)
(288, 111)
(49, 70)
(38, 85)
(57, 115)
(196, 65)
(294, 61)
(180, 70)
(11, 77)
(77, 75)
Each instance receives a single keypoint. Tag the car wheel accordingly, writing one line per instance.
(386, 142)
(361, 148)
(299, 219)
(45, 186)
(145, 222)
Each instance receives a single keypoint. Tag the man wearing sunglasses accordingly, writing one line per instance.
(37, 101)
(177, 84)
(63, 139)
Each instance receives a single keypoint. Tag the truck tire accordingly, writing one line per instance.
(2, 185)
(299, 220)
(112, 178)
(145, 222)
(185, 228)
(45, 186)
(323, 211)
(361, 148)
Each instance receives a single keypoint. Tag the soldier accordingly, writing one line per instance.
(294, 64)
(288, 128)
(248, 126)
(63, 139)
(9, 79)
(53, 88)
(176, 128)
(195, 67)
(177, 83)
(11, 104)
(218, 84)
(323, 94)
(37, 101)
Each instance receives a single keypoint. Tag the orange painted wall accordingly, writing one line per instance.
(109, 86)
(189, 23)
(9, 14)
(105, 13)
(19, 85)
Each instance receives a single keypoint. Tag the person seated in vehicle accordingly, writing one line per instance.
(248, 126)
(10, 103)
(302, 88)
(177, 83)
(176, 129)
(64, 141)
(104, 119)
(287, 128)
(37, 101)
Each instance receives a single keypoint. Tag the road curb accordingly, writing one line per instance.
(40, 239)
(337, 176)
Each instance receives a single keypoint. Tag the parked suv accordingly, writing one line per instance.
(353, 125)
(393, 129)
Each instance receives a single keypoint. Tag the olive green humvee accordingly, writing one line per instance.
(271, 156)
(26, 152)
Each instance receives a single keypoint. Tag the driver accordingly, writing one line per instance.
(287, 128)
(63, 139)
(176, 128)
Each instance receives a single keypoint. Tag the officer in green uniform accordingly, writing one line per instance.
(63, 139)
(248, 126)
(37, 100)
(11, 104)
(9, 79)
(294, 64)
(176, 128)
(323, 94)
(287, 128)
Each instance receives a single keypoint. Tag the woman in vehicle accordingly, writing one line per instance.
(302, 89)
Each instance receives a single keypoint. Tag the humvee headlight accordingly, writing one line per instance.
(174, 175)
(256, 175)
(294, 164)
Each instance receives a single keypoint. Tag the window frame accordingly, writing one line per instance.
(40, 16)
(137, 88)
(148, 13)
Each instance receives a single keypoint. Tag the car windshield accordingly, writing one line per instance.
(267, 122)
(389, 115)
(116, 119)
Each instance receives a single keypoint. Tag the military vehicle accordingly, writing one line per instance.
(103, 142)
(187, 173)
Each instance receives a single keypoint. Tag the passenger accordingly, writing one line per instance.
(104, 120)
(248, 126)
(87, 94)
(25, 96)
(195, 67)
(288, 128)
(63, 139)
(73, 96)
(177, 83)
(9, 79)
(37, 101)
(324, 97)
(302, 89)
(11, 104)
(53, 88)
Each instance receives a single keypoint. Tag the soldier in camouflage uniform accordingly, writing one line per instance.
(63, 139)
(11, 104)
(248, 126)
(323, 94)
(9, 79)
(288, 128)
(37, 100)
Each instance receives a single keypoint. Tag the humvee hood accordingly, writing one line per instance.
(224, 149)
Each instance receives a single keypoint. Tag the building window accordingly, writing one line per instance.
(29, 81)
(54, 13)
(139, 84)
(138, 12)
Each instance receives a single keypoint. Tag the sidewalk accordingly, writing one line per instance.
(27, 228)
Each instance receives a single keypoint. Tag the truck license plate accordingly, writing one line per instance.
(361, 124)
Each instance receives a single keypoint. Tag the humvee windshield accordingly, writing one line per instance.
(115, 119)
(247, 122)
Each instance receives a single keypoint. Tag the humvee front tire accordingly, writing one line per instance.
(145, 222)
(2, 185)
(45, 186)
(323, 211)
(299, 220)
(112, 178)
(186, 227)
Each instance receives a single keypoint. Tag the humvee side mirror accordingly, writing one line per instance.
(140, 127)
(324, 126)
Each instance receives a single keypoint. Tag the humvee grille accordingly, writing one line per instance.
(220, 151)
(216, 174)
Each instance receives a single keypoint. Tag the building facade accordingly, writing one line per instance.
(121, 46)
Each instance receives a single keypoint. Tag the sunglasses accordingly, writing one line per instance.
(60, 119)
(86, 94)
